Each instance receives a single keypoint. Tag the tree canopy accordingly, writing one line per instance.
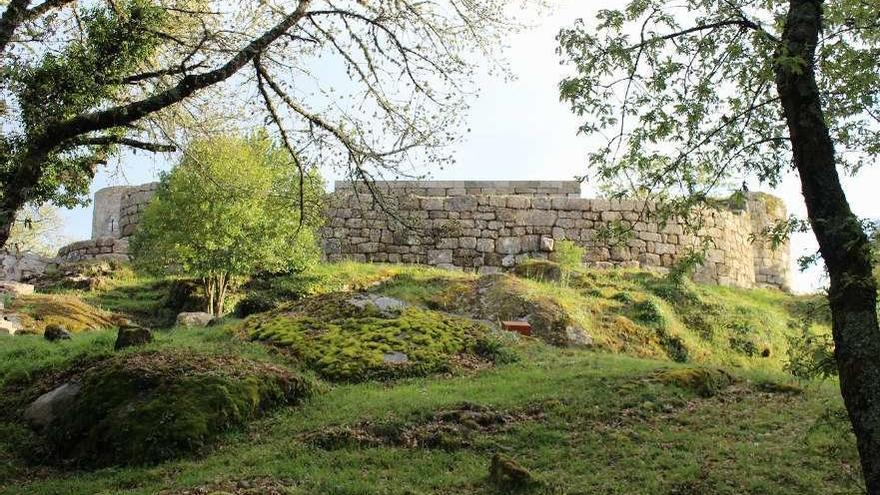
(693, 94)
(685, 93)
(229, 209)
(79, 80)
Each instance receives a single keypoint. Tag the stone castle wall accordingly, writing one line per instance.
(492, 226)
(108, 248)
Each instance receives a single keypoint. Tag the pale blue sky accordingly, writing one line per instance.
(519, 131)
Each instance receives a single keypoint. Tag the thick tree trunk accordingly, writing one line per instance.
(842, 241)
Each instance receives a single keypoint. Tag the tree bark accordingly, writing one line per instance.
(842, 241)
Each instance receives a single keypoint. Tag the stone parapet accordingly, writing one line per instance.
(465, 187)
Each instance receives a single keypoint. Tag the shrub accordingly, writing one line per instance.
(226, 211)
(570, 257)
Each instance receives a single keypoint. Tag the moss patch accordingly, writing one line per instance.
(70, 312)
(153, 406)
(344, 342)
(705, 382)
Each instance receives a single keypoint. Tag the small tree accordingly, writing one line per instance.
(233, 206)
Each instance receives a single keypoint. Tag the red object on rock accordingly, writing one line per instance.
(520, 327)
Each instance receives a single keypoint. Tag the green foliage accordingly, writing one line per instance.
(684, 267)
(570, 257)
(687, 107)
(232, 207)
(811, 356)
(87, 73)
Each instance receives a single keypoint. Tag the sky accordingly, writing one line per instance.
(521, 131)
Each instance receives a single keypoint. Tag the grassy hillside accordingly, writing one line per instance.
(682, 391)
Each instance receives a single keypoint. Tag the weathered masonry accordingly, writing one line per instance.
(490, 226)
(115, 217)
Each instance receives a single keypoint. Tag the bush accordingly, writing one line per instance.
(226, 212)
(570, 257)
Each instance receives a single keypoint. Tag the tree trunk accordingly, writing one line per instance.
(7, 219)
(842, 241)
(210, 294)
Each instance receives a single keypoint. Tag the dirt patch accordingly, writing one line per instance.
(453, 428)
(253, 486)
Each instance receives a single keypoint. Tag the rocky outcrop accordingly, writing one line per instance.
(194, 319)
(43, 411)
(131, 336)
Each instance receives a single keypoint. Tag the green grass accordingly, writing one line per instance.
(609, 426)
(623, 417)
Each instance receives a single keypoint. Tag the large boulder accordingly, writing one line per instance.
(22, 266)
(41, 412)
(194, 319)
(15, 288)
(10, 323)
(54, 333)
(132, 335)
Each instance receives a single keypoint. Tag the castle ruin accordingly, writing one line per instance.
(491, 226)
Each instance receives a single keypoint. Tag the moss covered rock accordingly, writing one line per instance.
(39, 311)
(344, 337)
(540, 270)
(153, 406)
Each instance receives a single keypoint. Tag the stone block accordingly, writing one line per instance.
(518, 202)
(508, 245)
(538, 217)
(486, 245)
(439, 256)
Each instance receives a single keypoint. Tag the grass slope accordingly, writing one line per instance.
(662, 419)
(609, 424)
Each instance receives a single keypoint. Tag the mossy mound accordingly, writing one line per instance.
(540, 270)
(69, 312)
(345, 339)
(84, 275)
(705, 382)
(153, 406)
(493, 298)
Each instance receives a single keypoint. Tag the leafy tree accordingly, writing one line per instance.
(229, 209)
(80, 80)
(694, 94)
